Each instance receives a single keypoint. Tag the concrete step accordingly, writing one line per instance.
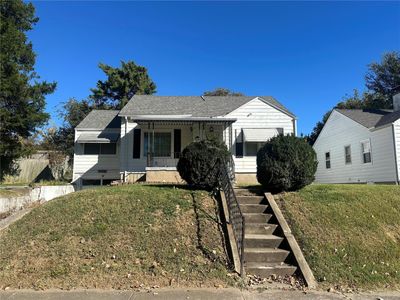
(253, 208)
(265, 255)
(256, 218)
(260, 228)
(268, 269)
(262, 241)
(251, 199)
(248, 192)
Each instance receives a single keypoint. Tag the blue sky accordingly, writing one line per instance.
(308, 55)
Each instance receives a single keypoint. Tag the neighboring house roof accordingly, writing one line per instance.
(195, 106)
(371, 118)
(101, 119)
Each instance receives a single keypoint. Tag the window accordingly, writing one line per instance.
(347, 155)
(96, 149)
(91, 149)
(161, 146)
(251, 148)
(108, 148)
(328, 160)
(91, 182)
(366, 151)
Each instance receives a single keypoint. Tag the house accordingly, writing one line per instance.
(143, 141)
(360, 146)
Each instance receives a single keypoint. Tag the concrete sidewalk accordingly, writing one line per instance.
(188, 294)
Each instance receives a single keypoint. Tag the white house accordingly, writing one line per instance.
(360, 146)
(143, 141)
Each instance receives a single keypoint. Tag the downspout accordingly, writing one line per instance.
(396, 159)
(295, 127)
(126, 149)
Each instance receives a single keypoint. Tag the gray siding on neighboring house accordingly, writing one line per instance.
(340, 131)
(396, 127)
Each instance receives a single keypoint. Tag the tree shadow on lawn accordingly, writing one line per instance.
(200, 216)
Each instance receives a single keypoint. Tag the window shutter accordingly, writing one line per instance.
(239, 144)
(136, 143)
(177, 142)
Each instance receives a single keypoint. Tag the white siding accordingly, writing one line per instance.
(257, 114)
(87, 166)
(340, 131)
(396, 127)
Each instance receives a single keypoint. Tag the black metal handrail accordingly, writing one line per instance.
(236, 218)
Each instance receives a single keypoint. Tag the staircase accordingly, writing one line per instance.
(264, 248)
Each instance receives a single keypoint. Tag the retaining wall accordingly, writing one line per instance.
(37, 194)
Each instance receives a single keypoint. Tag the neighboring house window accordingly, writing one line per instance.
(347, 155)
(328, 160)
(103, 149)
(366, 151)
(161, 146)
(251, 148)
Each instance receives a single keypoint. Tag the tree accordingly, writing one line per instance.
(121, 84)
(22, 96)
(222, 92)
(62, 139)
(382, 81)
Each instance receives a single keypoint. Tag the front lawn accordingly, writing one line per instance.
(117, 237)
(350, 233)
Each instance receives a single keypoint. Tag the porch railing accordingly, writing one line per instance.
(162, 160)
(236, 218)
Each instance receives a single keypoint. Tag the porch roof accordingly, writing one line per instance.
(187, 119)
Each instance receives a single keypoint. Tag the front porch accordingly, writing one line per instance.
(159, 142)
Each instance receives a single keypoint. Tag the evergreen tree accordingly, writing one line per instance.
(121, 84)
(22, 96)
(222, 92)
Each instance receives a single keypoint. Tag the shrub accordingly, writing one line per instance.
(286, 163)
(200, 162)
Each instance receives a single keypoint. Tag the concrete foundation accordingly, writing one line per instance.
(164, 176)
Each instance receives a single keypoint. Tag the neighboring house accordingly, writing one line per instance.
(360, 146)
(143, 141)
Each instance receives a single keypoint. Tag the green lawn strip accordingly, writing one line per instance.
(350, 233)
(116, 237)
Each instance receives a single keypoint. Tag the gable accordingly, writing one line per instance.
(257, 106)
(336, 125)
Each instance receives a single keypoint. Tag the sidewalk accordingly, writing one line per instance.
(188, 294)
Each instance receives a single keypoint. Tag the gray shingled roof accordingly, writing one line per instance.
(371, 118)
(196, 106)
(101, 119)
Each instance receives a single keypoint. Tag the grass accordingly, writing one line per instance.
(117, 237)
(13, 192)
(350, 233)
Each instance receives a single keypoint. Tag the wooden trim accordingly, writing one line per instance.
(294, 247)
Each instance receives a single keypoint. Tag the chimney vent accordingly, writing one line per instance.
(396, 102)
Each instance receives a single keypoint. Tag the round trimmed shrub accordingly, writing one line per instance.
(200, 162)
(286, 163)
